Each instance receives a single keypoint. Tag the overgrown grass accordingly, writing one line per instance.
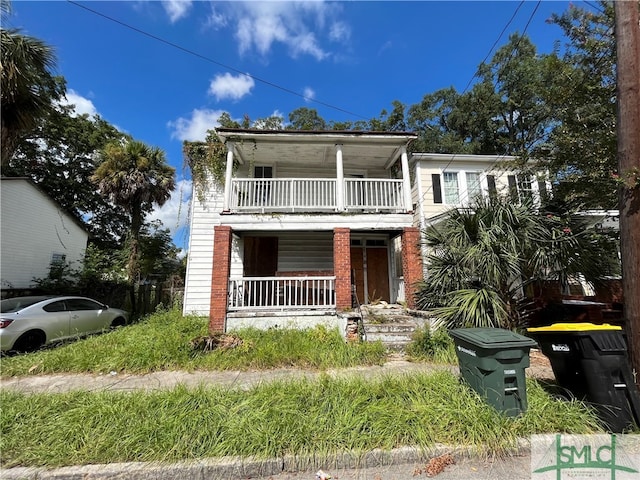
(161, 342)
(430, 346)
(321, 417)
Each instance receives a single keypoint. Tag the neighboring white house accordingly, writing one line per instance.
(35, 232)
(306, 215)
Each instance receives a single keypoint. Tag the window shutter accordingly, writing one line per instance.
(437, 188)
(513, 187)
(491, 183)
(542, 190)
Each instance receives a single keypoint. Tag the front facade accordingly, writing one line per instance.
(305, 223)
(36, 233)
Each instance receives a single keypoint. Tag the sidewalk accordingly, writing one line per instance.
(114, 381)
(399, 464)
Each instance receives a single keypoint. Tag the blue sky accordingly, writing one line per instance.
(355, 56)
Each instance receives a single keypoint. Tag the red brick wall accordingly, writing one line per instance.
(342, 267)
(411, 263)
(220, 278)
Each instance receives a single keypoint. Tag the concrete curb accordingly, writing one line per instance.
(246, 467)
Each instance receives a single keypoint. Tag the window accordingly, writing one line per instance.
(262, 172)
(84, 304)
(451, 191)
(57, 266)
(474, 189)
(523, 188)
(55, 307)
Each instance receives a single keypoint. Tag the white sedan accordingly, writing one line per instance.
(27, 323)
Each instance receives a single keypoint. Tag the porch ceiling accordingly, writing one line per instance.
(359, 149)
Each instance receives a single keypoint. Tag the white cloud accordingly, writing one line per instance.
(309, 94)
(300, 26)
(176, 9)
(227, 86)
(195, 128)
(216, 19)
(340, 32)
(81, 104)
(175, 212)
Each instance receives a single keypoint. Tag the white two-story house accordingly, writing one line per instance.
(305, 224)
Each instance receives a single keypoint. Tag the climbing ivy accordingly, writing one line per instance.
(207, 161)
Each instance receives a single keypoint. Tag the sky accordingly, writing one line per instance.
(164, 71)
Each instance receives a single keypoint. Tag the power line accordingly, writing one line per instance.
(215, 62)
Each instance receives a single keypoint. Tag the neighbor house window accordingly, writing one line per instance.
(474, 189)
(451, 190)
(522, 188)
(56, 268)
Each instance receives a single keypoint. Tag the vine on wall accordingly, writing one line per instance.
(207, 161)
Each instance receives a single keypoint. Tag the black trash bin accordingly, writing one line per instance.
(591, 362)
(492, 361)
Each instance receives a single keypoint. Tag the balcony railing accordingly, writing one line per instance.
(316, 195)
(279, 293)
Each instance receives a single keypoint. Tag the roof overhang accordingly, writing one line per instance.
(315, 147)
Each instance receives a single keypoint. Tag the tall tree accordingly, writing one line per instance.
(135, 177)
(581, 150)
(28, 88)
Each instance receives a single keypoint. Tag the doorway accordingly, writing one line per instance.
(370, 268)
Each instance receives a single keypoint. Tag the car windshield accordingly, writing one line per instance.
(18, 303)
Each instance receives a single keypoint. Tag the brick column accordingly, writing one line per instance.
(411, 263)
(342, 267)
(220, 278)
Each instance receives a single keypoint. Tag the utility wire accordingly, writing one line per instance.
(215, 62)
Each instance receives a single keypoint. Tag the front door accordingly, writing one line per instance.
(260, 260)
(370, 269)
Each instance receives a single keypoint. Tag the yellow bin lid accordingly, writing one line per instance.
(574, 327)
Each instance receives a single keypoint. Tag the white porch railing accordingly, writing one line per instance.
(373, 194)
(316, 194)
(269, 293)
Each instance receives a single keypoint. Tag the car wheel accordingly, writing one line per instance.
(118, 322)
(29, 341)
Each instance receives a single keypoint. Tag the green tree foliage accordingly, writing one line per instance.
(482, 259)
(135, 177)
(60, 155)
(503, 113)
(582, 147)
(158, 255)
(304, 118)
(28, 90)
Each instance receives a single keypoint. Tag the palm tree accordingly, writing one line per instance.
(136, 177)
(28, 90)
(483, 258)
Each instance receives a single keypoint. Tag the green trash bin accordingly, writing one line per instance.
(492, 362)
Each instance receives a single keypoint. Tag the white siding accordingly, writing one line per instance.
(305, 251)
(204, 217)
(33, 228)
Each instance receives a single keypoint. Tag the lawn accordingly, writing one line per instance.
(321, 417)
(162, 342)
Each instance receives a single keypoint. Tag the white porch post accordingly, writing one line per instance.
(227, 178)
(406, 180)
(339, 179)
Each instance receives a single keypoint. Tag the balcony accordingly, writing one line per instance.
(280, 293)
(317, 195)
